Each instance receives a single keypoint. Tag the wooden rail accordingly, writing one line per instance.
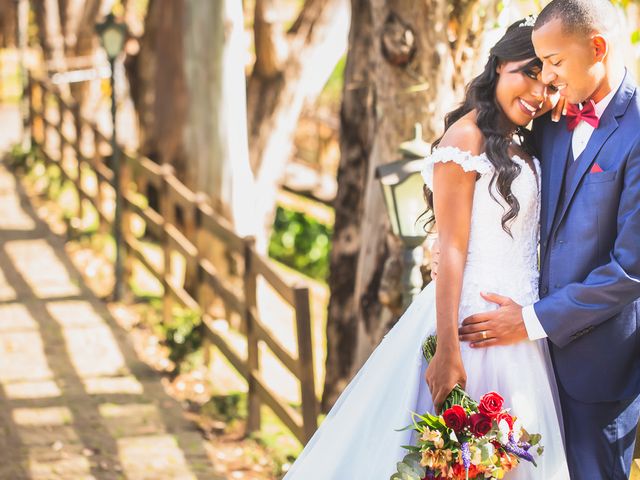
(50, 120)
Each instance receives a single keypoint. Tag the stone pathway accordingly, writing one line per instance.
(75, 401)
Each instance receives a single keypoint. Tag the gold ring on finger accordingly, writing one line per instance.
(484, 334)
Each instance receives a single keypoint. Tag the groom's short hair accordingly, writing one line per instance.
(580, 16)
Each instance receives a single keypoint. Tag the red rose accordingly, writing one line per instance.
(491, 404)
(455, 418)
(480, 424)
(506, 417)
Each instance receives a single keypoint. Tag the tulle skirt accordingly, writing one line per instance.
(359, 439)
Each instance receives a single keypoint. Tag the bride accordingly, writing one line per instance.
(483, 184)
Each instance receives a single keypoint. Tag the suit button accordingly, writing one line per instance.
(544, 290)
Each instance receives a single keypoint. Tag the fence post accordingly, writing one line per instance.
(305, 360)
(27, 124)
(45, 125)
(127, 235)
(77, 121)
(61, 110)
(167, 215)
(200, 286)
(253, 355)
(96, 159)
(189, 230)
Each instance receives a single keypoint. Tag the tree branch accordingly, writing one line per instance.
(464, 29)
(271, 45)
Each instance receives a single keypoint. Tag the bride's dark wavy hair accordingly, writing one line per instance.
(496, 128)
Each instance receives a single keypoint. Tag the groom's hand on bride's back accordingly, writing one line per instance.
(504, 326)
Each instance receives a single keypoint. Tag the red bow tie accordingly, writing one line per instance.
(588, 114)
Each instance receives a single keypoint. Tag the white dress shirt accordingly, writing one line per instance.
(579, 140)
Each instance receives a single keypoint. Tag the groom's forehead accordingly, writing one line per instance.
(553, 32)
(581, 17)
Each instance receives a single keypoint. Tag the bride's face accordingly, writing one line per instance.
(521, 93)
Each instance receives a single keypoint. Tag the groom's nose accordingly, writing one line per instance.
(547, 76)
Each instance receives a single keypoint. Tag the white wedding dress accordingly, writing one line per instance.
(359, 439)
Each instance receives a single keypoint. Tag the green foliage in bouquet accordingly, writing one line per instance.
(468, 440)
(409, 468)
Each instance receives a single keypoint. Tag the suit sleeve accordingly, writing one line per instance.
(608, 288)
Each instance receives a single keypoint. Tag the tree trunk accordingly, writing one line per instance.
(78, 19)
(158, 85)
(216, 133)
(290, 70)
(178, 119)
(403, 67)
(47, 16)
(189, 91)
(8, 24)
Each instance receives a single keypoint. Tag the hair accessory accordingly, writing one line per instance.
(529, 21)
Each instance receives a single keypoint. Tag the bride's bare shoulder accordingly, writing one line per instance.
(465, 135)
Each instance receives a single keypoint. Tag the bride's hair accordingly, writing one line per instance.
(480, 95)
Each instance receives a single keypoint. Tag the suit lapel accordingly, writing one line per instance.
(608, 125)
(557, 161)
(597, 140)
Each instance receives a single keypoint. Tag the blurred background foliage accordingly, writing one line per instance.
(301, 242)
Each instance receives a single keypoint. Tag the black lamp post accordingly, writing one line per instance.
(402, 189)
(112, 37)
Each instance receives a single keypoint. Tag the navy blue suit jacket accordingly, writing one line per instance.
(590, 253)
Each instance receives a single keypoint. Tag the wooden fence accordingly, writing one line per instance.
(183, 222)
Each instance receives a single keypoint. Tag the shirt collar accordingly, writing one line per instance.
(601, 106)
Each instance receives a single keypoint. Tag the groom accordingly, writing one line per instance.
(590, 241)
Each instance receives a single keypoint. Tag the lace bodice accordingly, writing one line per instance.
(496, 262)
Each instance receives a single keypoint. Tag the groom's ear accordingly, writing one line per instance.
(600, 46)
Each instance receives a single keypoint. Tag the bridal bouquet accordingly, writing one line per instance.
(469, 440)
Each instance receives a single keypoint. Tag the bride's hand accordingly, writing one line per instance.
(444, 372)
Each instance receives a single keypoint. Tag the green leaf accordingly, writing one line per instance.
(486, 450)
(406, 470)
(408, 427)
(635, 37)
(535, 439)
(411, 448)
(428, 419)
(413, 460)
(409, 468)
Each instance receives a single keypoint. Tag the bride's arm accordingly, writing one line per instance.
(453, 199)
